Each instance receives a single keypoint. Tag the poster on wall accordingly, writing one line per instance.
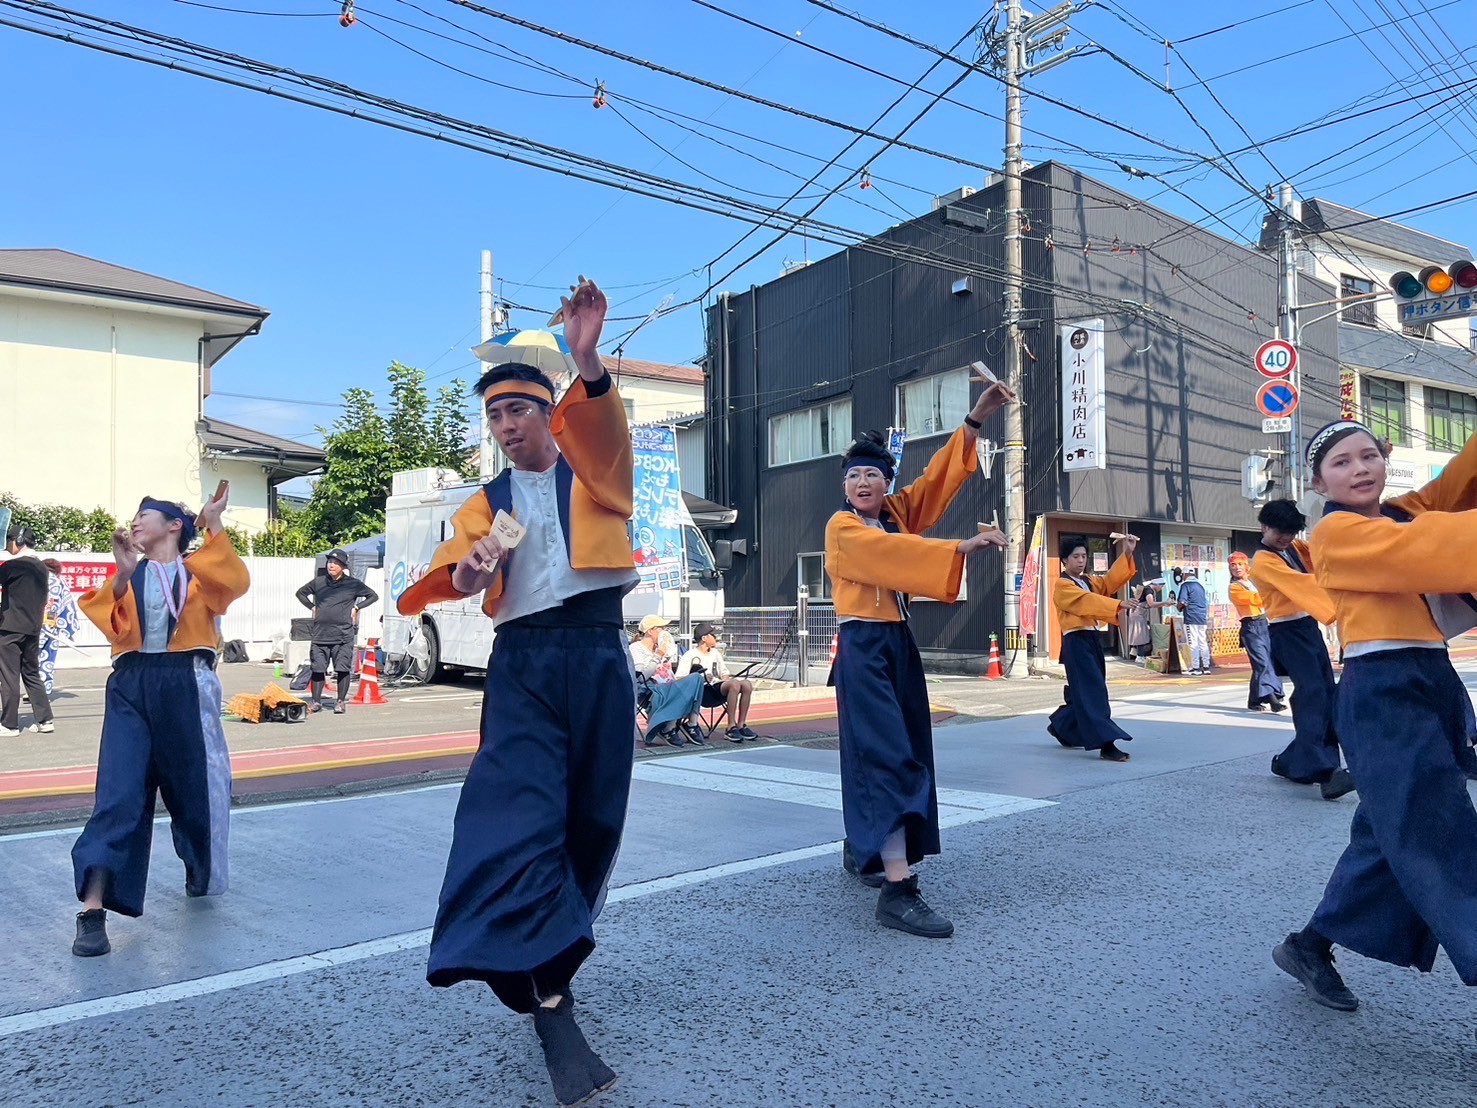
(1084, 396)
(896, 436)
(657, 540)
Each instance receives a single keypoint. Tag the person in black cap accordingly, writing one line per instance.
(23, 591)
(719, 686)
(876, 557)
(335, 596)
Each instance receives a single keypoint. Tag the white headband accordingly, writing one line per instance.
(1328, 432)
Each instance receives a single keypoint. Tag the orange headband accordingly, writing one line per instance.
(528, 390)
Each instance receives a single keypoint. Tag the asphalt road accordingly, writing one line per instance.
(1114, 926)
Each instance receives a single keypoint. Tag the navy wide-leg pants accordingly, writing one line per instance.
(1265, 686)
(1085, 720)
(1299, 652)
(1407, 882)
(539, 822)
(887, 779)
(161, 733)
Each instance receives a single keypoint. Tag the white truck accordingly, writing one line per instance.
(457, 636)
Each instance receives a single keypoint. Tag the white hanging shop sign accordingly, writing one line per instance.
(1084, 396)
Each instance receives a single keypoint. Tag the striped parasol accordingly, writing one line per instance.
(542, 349)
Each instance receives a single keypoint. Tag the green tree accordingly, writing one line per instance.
(59, 527)
(365, 449)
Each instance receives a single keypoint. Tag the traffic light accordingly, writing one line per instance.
(1435, 281)
(1256, 477)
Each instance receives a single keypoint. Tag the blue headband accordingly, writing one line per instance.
(171, 511)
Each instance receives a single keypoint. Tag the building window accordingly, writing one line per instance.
(1384, 409)
(810, 433)
(1416, 330)
(1451, 418)
(811, 572)
(1362, 311)
(933, 405)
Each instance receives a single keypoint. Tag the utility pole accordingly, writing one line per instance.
(491, 460)
(1009, 54)
(1288, 328)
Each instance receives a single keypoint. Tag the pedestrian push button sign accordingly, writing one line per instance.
(1277, 398)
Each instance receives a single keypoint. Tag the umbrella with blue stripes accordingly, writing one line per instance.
(542, 349)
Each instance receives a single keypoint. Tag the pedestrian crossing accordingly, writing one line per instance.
(746, 775)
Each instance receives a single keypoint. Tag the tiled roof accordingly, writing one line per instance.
(65, 271)
(653, 371)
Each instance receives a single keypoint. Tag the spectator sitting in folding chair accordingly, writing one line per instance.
(674, 700)
(720, 686)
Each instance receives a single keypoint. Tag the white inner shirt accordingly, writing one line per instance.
(538, 575)
(156, 614)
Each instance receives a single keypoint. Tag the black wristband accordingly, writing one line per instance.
(598, 388)
(972, 423)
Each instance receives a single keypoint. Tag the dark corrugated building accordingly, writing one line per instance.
(880, 336)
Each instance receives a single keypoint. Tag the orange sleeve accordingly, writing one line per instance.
(1355, 553)
(221, 574)
(1273, 575)
(117, 619)
(1068, 597)
(1241, 598)
(1455, 490)
(909, 564)
(1119, 574)
(472, 521)
(595, 439)
(920, 505)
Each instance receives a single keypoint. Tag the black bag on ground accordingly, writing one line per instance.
(302, 678)
(234, 651)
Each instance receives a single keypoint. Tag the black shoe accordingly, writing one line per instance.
(92, 934)
(1050, 730)
(1317, 974)
(848, 863)
(1111, 753)
(1278, 704)
(1277, 770)
(576, 1071)
(733, 734)
(1339, 784)
(900, 907)
(340, 708)
(694, 734)
(748, 733)
(674, 737)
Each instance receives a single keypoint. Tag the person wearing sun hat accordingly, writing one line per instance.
(1265, 693)
(876, 557)
(675, 698)
(1407, 882)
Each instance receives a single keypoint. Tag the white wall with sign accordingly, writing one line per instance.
(1084, 395)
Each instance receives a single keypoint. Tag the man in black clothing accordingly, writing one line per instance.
(335, 597)
(23, 589)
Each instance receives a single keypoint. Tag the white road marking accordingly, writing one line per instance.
(357, 952)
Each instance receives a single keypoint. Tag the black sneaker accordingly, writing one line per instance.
(748, 733)
(575, 1070)
(848, 863)
(733, 734)
(92, 934)
(1317, 974)
(1340, 784)
(694, 734)
(900, 907)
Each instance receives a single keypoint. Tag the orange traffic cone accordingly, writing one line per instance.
(369, 678)
(994, 671)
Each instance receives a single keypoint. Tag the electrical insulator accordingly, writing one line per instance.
(348, 18)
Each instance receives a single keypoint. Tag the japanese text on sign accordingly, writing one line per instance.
(1084, 400)
(657, 540)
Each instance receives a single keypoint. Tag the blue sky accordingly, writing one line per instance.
(364, 243)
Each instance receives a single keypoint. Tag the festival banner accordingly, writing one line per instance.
(896, 436)
(658, 544)
(1031, 577)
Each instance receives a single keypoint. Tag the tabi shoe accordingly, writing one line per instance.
(848, 863)
(1278, 704)
(900, 907)
(1339, 784)
(1262, 708)
(1277, 770)
(92, 934)
(575, 1070)
(1110, 753)
(1316, 973)
(340, 708)
(43, 728)
(1050, 730)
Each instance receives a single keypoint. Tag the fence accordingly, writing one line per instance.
(767, 641)
(260, 618)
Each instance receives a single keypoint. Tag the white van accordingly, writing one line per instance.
(457, 635)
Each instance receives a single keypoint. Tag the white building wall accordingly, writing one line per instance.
(653, 401)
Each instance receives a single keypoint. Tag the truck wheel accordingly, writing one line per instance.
(435, 671)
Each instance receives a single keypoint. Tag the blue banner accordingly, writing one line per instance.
(896, 436)
(657, 541)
